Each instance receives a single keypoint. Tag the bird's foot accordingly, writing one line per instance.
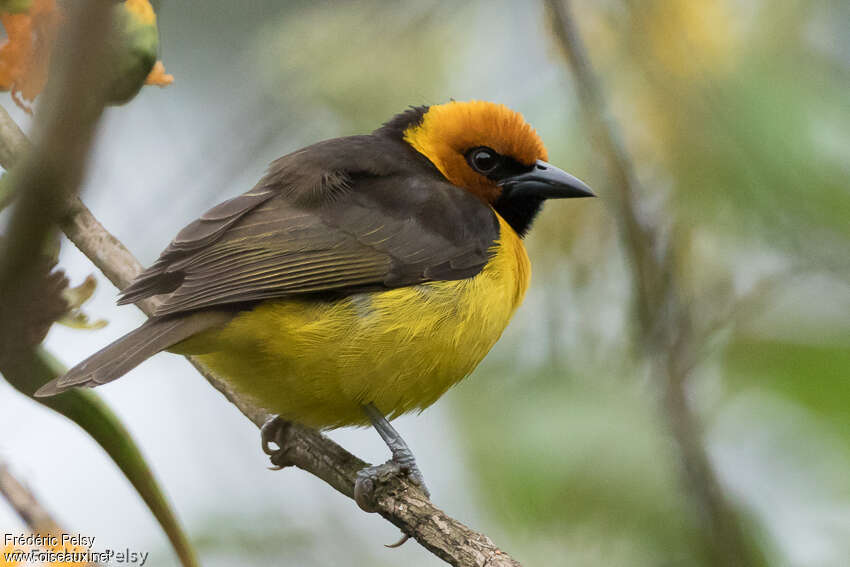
(275, 431)
(370, 478)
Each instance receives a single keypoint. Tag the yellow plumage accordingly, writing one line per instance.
(317, 362)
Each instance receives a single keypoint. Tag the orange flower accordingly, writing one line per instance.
(68, 548)
(25, 56)
(158, 77)
(5, 559)
(31, 33)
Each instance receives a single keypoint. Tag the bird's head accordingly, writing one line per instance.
(492, 152)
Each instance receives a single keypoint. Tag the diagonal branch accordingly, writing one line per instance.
(395, 499)
(639, 240)
(666, 332)
(27, 506)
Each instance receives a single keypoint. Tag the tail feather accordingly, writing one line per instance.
(124, 354)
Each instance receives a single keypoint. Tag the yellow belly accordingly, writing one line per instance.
(317, 362)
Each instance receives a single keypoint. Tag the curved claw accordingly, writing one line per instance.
(268, 434)
(273, 431)
(399, 543)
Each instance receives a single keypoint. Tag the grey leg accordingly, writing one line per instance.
(402, 457)
(369, 478)
(401, 453)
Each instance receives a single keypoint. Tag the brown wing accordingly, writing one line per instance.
(372, 231)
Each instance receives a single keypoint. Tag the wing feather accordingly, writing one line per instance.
(375, 232)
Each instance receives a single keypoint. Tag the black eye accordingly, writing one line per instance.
(483, 160)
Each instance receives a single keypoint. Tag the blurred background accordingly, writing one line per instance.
(737, 116)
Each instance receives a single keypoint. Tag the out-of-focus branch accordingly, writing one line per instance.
(640, 241)
(13, 143)
(25, 504)
(666, 331)
(46, 177)
(64, 128)
(394, 499)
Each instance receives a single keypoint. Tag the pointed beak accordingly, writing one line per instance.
(546, 181)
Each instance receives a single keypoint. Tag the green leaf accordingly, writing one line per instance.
(815, 376)
(84, 407)
(75, 297)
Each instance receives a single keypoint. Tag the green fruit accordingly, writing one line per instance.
(133, 50)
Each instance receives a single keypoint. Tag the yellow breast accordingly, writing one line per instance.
(317, 362)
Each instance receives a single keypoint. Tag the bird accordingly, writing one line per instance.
(359, 279)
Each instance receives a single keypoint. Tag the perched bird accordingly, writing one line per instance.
(360, 278)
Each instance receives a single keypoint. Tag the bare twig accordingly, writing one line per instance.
(639, 240)
(396, 500)
(665, 323)
(25, 504)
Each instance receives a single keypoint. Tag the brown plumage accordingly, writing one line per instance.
(375, 269)
(341, 216)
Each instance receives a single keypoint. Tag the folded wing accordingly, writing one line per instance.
(371, 232)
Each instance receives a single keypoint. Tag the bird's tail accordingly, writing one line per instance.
(121, 356)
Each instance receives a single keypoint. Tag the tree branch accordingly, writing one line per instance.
(666, 332)
(25, 504)
(394, 499)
